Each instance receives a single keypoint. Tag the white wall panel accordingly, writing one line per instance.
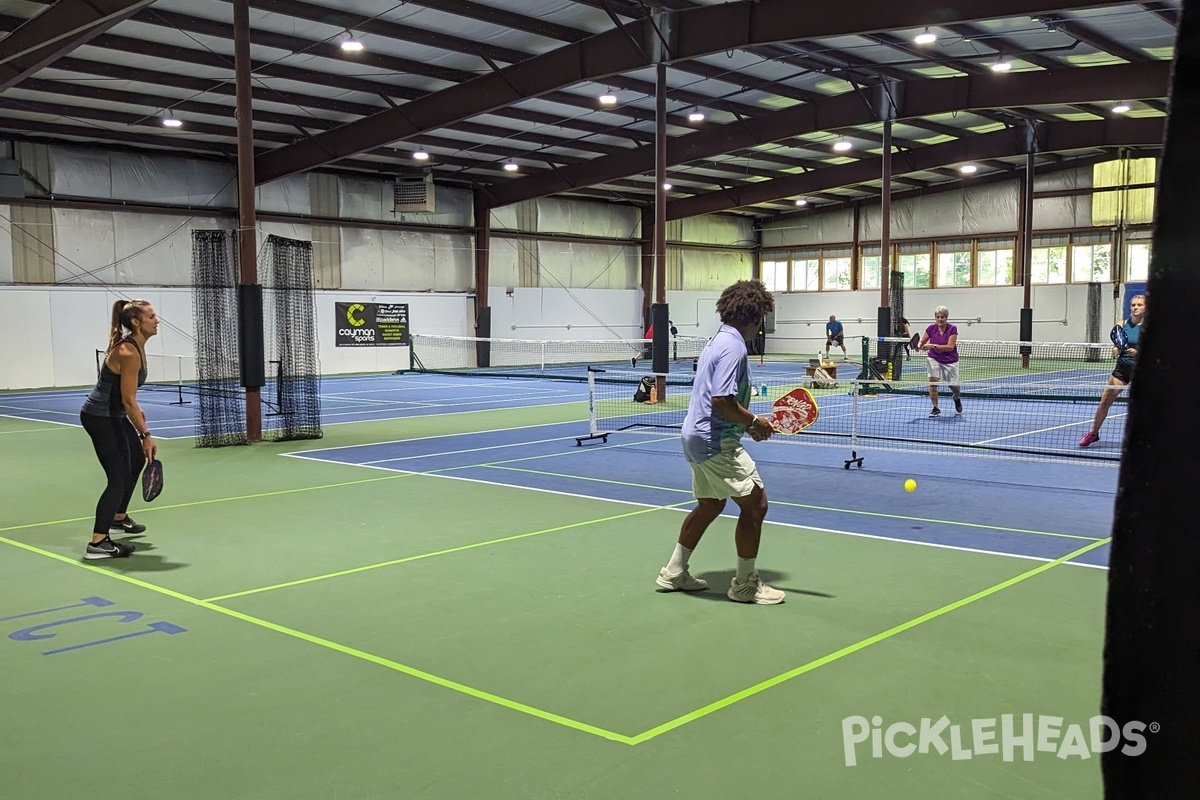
(6, 245)
(284, 196)
(362, 258)
(85, 247)
(26, 349)
(153, 249)
(718, 229)
(80, 173)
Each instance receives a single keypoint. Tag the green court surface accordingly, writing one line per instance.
(329, 631)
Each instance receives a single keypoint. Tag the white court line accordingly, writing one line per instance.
(797, 526)
(1044, 430)
(302, 453)
(506, 445)
(47, 421)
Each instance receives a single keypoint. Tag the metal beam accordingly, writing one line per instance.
(1056, 136)
(59, 30)
(1090, 36)
(920, 97)
(701, 31)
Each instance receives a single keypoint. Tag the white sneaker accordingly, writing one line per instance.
(682, 582)
(754, 591)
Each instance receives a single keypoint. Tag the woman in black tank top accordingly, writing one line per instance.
(115, 422)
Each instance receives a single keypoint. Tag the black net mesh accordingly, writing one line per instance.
(889, 361)
(1093, 316)
(293, 391)
(220, 403)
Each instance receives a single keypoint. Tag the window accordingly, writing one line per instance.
(835, 273)
(1049, 265)
(1138, 261)
(805, 273)
(995, 268)
(870, 269)
(916, 270)
(954, 264)
(775, 273)
(995, 262)
(1091, 263)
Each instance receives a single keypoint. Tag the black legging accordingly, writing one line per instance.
(120, 453)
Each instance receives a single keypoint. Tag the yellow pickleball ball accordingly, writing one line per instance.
(910, 485)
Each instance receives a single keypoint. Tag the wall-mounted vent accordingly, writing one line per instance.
(414, 193)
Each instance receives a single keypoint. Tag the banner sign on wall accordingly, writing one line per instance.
(372, 324)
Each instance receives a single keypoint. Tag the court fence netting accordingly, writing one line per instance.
(552, 359)
(291, 393)
(1024, 417)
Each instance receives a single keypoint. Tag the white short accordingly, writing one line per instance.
(730, 473)
(945, 372)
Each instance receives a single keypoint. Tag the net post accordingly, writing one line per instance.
(593, 423)
(854, 458)
(179, 383)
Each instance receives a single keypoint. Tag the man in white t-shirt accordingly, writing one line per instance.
(718, 415)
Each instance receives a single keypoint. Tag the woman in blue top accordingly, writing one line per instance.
(115, 422)
(1122, 375)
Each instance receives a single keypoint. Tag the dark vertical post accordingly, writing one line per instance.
(1152, 642)
(250, 309)
(1025, 234)
(661, 361)
(483, 311)
(855, 247)
(884, 326)
(646, 244)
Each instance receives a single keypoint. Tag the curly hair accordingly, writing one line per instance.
(745, 302)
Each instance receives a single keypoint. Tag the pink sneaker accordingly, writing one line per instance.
(1091, 437)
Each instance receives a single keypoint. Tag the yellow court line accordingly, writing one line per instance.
(447, 551)
(223, 500)
(856, 647)
(445, 683)
(547, 715)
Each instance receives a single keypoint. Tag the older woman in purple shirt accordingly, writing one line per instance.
(940, 341)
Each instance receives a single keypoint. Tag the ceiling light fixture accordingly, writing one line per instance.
(1120, 108)
(349, 44)
(1002, 65)
(170, 121)
(667, 187)
(696, 116)
(801, 202)
(925, 37)
(420, 155)
(968, 169)
(608, 98)
(510, 166)
(841, 145)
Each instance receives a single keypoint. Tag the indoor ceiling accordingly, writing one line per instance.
(479, 85)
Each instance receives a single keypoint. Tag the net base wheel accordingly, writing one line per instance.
(579, 440)
(854, 458)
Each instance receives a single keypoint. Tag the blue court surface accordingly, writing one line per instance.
(343, 399)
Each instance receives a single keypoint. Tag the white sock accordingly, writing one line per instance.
(745, 568)
(679, 560)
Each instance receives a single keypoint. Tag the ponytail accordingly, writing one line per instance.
(124, 312)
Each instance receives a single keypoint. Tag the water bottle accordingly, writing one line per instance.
(762, 391)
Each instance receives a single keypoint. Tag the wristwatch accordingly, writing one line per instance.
(753, 424)
(144, 436)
